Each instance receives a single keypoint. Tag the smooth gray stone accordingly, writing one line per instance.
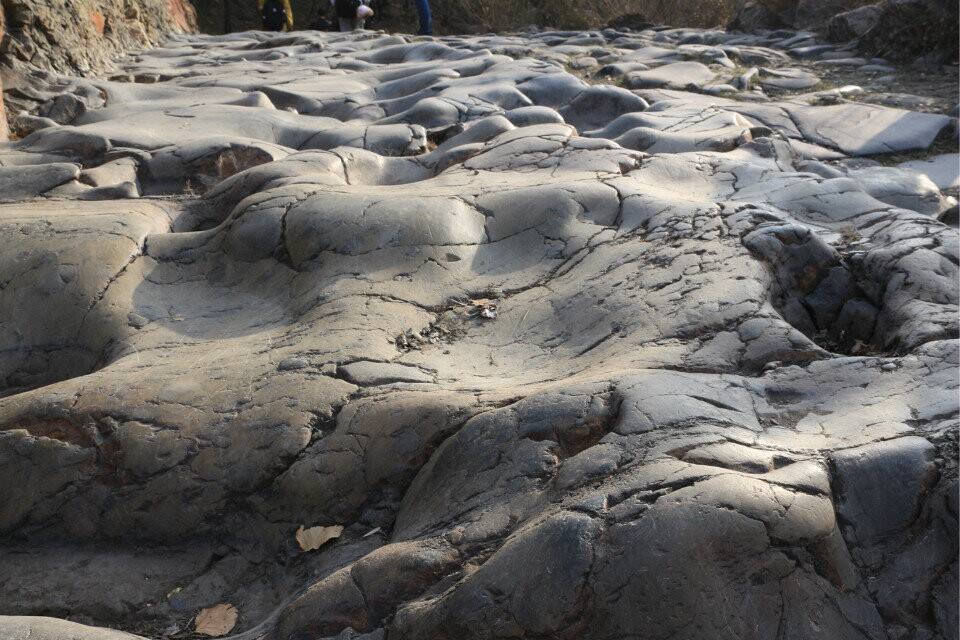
(676, 75)
(718, 89)
(901, 188)
(600, 104)
(859, 129)
(787, 79)
(943, 170)
(111, 173)
(23, 182)
(905, 467)
(379, 373)
(528, 116)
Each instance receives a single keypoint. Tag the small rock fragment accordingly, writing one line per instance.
(216, 621)
(316, 537)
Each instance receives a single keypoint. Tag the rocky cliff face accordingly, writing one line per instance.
(71, 36)
(77, 37)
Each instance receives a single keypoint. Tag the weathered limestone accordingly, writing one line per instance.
(562, 359)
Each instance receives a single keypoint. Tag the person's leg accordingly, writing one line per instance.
(426, 20)
(359, 23)
(346, 24)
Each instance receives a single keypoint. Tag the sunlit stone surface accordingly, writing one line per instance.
(564, 359)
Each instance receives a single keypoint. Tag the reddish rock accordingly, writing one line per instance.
(183, 14)
(99, 22)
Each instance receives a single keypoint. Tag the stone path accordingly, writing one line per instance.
(662, 358)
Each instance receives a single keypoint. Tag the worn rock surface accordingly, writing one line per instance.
(564, 359)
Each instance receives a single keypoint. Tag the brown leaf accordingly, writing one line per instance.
(217, 620)
(316, 537)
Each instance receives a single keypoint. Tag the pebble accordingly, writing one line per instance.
(137, 321)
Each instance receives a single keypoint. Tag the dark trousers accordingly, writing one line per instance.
(426, 20)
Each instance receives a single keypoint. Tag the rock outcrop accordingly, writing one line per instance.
(85, 36)
(4, 128)
(910, 29)
(852, 24)
(349, 336)
(751, 15)
(901, 30)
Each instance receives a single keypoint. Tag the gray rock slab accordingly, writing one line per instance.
(943, 170)
(787, 79)
(858, 129)
(379, 373)
(905, 467)
(676, 75)
(20, 183)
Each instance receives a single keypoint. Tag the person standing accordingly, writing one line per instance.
(275, 15)
(426, 19)
(351, 14)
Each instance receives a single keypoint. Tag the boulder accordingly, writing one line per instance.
(853, 24)
(755, 16)
(915, 29)
(811, 14)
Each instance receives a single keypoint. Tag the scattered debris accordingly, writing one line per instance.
(217, 620)
(451, 323)
(489, 311)
(850, 235)
(371, 532)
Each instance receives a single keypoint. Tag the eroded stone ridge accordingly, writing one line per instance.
(564, 359)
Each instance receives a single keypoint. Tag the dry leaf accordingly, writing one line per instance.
(217, 620)
(315, 537)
